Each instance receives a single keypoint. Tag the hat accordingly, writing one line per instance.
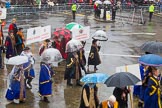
(26, 48)
(20, 28)
(47, 40)
(112, 98)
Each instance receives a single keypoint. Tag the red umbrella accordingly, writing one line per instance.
(62, 33)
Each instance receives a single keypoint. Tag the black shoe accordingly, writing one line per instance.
(46, 100)
(140, 105)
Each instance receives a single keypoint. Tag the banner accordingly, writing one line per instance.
(3, 12)
(133, 69)
(81, 34)
(33, 35)
(45, 32)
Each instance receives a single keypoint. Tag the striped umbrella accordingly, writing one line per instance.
(72, 26)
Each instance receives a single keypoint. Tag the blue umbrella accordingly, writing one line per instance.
(151, 60)
(94, 78)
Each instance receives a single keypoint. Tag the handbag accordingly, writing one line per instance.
(10, 94)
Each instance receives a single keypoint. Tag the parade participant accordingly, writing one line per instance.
(153, 92)
(145, 72)
(73, 70)
(28, 67)
(45, 81)
(94, 58)
(10, 45)
(110, 103)
(89, 98)
(10, 48)
(44, 46)
(151, 11)
(1, 44)
(20, 39)
(13, 27)
(16, 90)
(82, 58)
(73, 9)
(121, 95)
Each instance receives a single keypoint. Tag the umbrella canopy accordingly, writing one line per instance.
(72, 26)
(62, 33)
(151, 60)
(51, 55)
(121, 79)
(106, 2)
(98, 2)
(153, 47)
(17, 60)
(100, 35)
(94, 78)
(73, 45)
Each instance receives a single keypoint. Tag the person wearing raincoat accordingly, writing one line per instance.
(73, 70)
(45, 81)
(28, 67)
(89, 98)
(94, 57)
(153, 92)
(16, 90)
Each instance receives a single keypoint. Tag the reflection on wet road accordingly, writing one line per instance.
(123, 39)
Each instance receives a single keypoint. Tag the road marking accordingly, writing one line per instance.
(142, 33)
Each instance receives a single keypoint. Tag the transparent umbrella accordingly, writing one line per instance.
(17, 60)
(51, 55)
(73, 45)
(98, 2)
(100, 35)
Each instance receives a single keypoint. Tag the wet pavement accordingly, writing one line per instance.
(123, 39)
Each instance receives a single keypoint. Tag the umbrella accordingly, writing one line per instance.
(151, 60)
(51, 55)
(153, 47)
(98, 2)
(106, 2)
(73, 45)
(94, 78)
(62, 33)
(100, 35)
(17, 60)
(72, 26)
(121, 79)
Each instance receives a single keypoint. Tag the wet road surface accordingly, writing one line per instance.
(124, 39)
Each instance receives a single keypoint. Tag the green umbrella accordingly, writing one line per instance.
(71, 26)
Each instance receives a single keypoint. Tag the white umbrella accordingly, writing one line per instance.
(51, 55)
(100, 35)
(73, 45)
(98, 2)
(106, 2)
(17, 60)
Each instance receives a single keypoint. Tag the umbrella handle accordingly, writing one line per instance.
(131, 99)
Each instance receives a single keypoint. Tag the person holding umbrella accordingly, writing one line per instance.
(121, 95)
(153, 92)
(94, 57)
(89, 98)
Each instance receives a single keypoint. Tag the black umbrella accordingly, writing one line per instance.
(121, 79)
(153, 47)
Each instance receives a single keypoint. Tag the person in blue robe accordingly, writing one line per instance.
(153, 92)
(16, 89)
(145, 72)
(45, 81)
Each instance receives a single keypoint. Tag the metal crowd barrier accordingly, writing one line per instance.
(46, 8)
